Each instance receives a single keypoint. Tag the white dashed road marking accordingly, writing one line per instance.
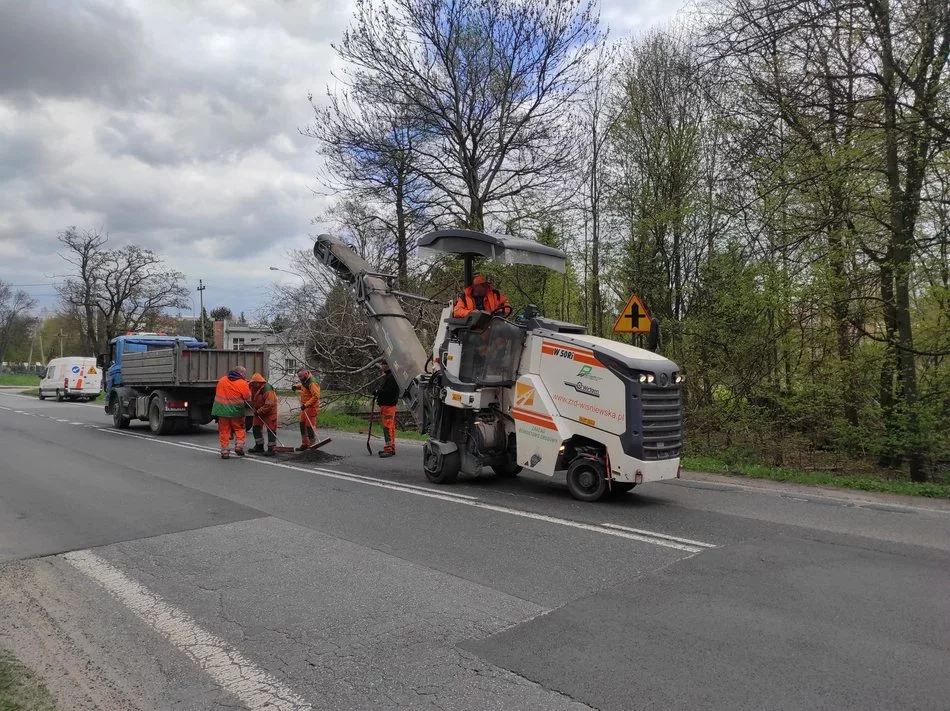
(641, 536)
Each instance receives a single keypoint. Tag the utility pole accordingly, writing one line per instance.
(201, 292)
(61, 343)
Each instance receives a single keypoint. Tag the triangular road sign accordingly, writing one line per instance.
(634, 317)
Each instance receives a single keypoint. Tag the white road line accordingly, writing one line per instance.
(401, 484)
(230, 669)
(35, 399)
(654, 534)
(76, 423)
(656, 539)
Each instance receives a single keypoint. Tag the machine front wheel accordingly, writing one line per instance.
(586, 479)
(440, 468)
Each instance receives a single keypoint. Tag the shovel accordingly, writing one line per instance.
(369, 433)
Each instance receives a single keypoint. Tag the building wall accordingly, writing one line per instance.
(282, 364)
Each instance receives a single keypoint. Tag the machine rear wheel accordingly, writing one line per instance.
(441, 468)
(586, 479)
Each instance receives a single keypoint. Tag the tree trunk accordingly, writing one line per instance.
(890, 458)
(402, 252)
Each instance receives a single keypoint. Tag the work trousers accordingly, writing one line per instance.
(387, 417)
(271, 423)
(228, 426)
(308, 426)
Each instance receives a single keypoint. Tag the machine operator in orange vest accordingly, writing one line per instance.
(481, 295)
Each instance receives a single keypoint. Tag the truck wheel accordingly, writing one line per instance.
(59, 396)
(586, 479)
(42, 396)
(441, 468)
(157, 422)
(119, 420)
(508, 470)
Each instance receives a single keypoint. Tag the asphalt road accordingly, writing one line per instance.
(147, 573)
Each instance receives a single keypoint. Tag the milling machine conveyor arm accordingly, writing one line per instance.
(388, 324)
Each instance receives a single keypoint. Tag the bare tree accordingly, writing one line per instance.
(118, 290)
(15, 308)
(371, 149)
(488, 82)
(79, 293)
(595, 117)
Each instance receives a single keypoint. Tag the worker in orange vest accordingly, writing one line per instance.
(387, 397)
(309, 392)
(264, 402)
(231, 395)
(481, 295)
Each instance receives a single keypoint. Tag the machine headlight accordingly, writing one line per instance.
(647, 377)
(679, 378)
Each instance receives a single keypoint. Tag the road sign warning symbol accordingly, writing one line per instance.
(634, 317)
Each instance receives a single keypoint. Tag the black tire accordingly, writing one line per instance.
(441, 468)
(508, 470)
(622, 487)
(42, 396)
(119, 420)
(586, 479)
(59, 396)
(157, 422)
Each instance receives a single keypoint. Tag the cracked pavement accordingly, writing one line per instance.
(202, 584)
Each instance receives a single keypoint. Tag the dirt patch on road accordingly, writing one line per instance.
(35, 637)
(311, 456)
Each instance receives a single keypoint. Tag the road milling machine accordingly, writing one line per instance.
(523, 392)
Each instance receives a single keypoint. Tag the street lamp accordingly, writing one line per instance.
(278, 269)
(201, 292)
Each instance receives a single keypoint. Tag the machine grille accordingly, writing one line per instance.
(662, 422)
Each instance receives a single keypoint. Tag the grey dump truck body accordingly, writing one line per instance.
(172, 388)
(186, 368)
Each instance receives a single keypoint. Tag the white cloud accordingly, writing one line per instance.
(173, 125)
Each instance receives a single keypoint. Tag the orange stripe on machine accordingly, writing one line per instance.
(579, 355)
(533, 418)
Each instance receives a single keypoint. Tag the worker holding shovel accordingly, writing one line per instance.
(387, 396)
(265, 405)
(309, 392)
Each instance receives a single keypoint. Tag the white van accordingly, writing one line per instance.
(71, 378)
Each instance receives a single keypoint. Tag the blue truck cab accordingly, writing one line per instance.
(141, 343)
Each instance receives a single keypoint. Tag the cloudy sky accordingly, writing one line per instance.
(173, 124)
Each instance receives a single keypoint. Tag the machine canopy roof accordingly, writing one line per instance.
(502, 248)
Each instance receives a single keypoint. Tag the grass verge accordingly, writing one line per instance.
(19, 379)
(20, 689)
(930, 489)
(351, 423)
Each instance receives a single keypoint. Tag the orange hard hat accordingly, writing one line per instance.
(258, 378)
(479, 279)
